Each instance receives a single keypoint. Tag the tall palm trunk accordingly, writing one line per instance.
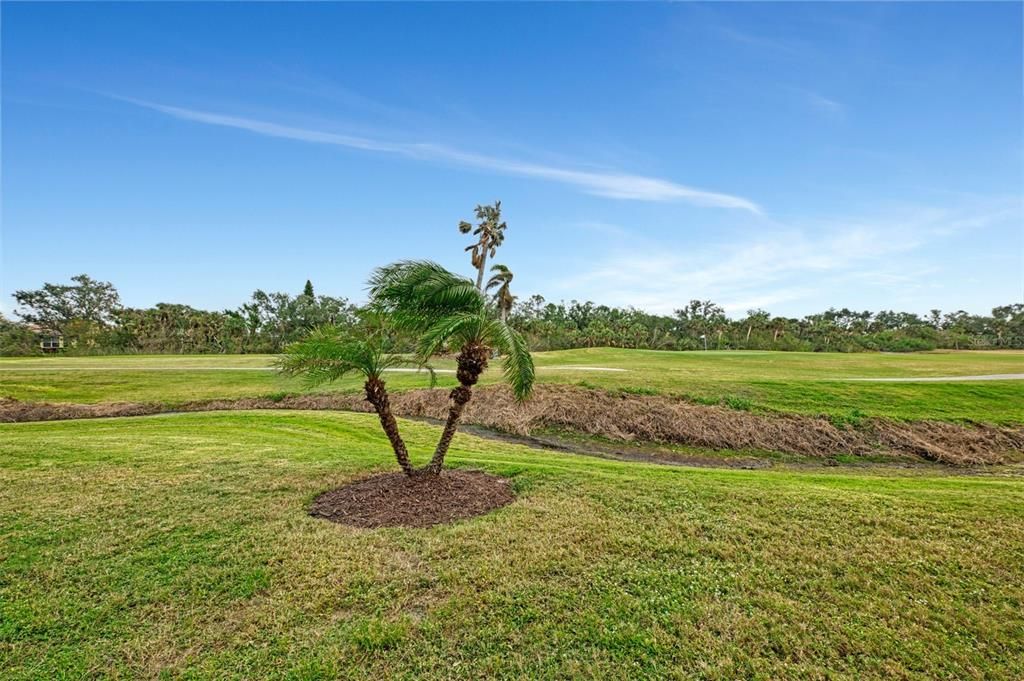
(472, 361)
(483, 266)
(377, 395)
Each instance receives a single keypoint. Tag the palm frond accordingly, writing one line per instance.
(517, 364)
(416, 292)
(328, 354)
(459, 328)
(502, 277)
(445, 308)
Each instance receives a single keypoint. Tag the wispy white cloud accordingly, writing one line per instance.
(601, 183)
(734, 34)
(827, 259)
(824, 104)
(816, 101)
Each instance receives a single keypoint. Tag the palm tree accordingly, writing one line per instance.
(503, 297)
(491, 233)
(445, 309)
(329, 353)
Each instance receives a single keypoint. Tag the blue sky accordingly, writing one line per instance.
(792, 157)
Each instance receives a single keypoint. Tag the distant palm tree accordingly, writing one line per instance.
(445, 309)
(503, 297)
(329, 353)
(491, 233)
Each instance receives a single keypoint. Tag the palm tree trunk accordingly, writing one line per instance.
(457, 402)
(472, 361)
(485, 244)
(377, 395)
(480, 273)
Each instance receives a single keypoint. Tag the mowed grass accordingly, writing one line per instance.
(807, 383)
(799, 382)
(811, 383)
(168, 379)
(179, 546)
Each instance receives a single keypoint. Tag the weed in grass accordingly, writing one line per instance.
(706, 401)
(855, 418)
(738, 403)
(375, 635)
(638, 390)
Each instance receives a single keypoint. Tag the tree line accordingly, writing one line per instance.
(702, 324)
(86, 317)
(89, 317)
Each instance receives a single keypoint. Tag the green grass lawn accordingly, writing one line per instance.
(809, 383)
(179, 546)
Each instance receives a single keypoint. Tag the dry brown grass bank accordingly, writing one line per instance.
(630, 418)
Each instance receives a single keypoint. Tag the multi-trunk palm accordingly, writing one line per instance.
(445, 310)
(442, 310)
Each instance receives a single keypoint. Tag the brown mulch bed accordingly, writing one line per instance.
(397, 500)
(625, 417)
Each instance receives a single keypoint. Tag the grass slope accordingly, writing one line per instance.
(808, 383)
(179, 545)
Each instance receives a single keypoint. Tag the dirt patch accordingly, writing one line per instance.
(397, 500)
(628, 418)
